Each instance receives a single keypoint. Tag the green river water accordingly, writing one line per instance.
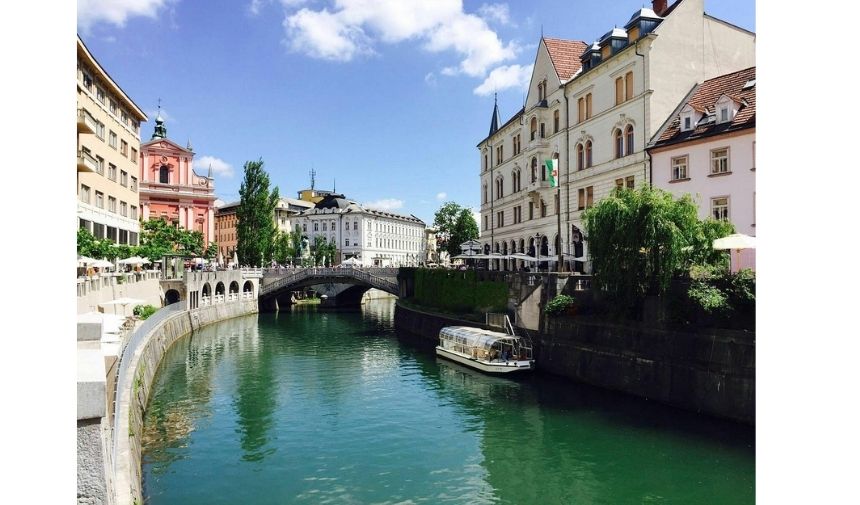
(312, 406)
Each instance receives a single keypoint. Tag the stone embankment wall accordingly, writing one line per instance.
(131, 403)
(711, 371)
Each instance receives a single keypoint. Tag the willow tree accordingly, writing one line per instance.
(639, 240)
(255, 229)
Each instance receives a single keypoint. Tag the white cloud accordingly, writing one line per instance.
(166, 116)
(495, 12)
(352, 26)
(387, 204)
(218, 203)
(219, 167)
(430, 79)
(441, 196)
(509, 76)
(115, 12)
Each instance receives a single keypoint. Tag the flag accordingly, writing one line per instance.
(552, 172)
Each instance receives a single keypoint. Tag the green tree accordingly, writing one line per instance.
(455, 225)
(255, 229)
(638, 240)
(284, 247)
(323, 252)
(86, 242)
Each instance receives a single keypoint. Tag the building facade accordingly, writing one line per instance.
(108, 146)
(592, 109)
(706, 149)
(169, 187)
(373, 237)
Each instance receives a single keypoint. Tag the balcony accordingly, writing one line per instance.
(86, 163)
(86, 122)
(538, 184)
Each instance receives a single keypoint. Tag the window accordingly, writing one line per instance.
(541, 91)
(580, 156)
(111, 233)
(123, 177)
(346, 242)
(720, 208)
(100, 95)
(123, 209)
(113, 107)
(587, 153)
(85, 193)
(112, 204)
(679, 168)
(123, 236)
(304, 227)
(112, 172)
(517, 144)
(534, 170)
(542, 208)
(628, 86)
(588, 106)
(485, 222)
(355, 227)
(630, 181)
(100, 130)
(316, 226)
(485, 197)
(542, 131)
(112, 139)
(619, 183)
(164, 174)
(720, 161)
(628, 134)
(100, 199)
(500, 218)
(133, 212)
(619, 90)
(688, 123)
(580, 108)
(533, 128)
(325, 226)
(124, 117)
(123, 148)
(724, 114)
(619, 143)
(555, 121)
(585, 198)
(543, 173)
(88, 81)
(100, 165)
(557, 206)
(589, 196)
(132, 238)
(134, 183)
(531, 210)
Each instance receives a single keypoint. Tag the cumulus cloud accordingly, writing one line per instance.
(430, 79)
(441, 196)
(509, 76)
(116, 12)
(219, 167)
(352, 26)
(495, 12)
(386, 204)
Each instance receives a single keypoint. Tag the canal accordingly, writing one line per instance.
(312, 406)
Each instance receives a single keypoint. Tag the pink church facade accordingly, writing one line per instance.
(171, 190)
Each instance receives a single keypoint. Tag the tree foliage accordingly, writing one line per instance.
(455, 225)
(323, 252)
(639, 239)
(255, 227)
(157, 238)
(287, 246)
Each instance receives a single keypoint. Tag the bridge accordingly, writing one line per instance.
(277, 282)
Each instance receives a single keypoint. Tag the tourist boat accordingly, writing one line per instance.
(486, 350)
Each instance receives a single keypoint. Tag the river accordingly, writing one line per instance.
(313, 406)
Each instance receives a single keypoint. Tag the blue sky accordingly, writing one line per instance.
(387, 97)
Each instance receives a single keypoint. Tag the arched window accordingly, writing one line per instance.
(164, 175)
(555, 121)
(619, 143)
(587, 154)
(534, 170)
(533, 128)
(628, 134)
(580, 157)
(501, 187)
(540, 91)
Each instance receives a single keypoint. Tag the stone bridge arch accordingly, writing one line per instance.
(380, 279)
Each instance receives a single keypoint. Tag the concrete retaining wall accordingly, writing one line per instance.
(131, 404)
(712, 371)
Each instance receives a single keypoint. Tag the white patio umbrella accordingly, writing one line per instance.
(86, 260)
(134, 260)
(351, 261)
(102, 264)
(735, 243)
(124, 302)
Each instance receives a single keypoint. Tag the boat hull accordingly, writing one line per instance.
(491, 368)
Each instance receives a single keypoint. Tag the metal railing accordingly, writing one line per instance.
(355, 273)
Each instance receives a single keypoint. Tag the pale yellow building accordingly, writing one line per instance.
(108, 129)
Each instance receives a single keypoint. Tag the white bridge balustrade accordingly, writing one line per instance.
(87, 285)
(384, 279)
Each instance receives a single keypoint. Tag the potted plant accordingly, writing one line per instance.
(561, 304)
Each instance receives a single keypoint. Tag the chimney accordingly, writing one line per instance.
(658, 6)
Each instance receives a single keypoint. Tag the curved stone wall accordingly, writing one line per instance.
(139, 373)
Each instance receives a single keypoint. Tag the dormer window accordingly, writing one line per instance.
(689, 118)
(726, 107)
(724, 114)
(687, 123)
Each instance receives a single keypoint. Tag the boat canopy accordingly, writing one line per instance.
(475, 337)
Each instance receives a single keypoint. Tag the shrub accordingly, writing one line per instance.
(144, 311)
(559, 304)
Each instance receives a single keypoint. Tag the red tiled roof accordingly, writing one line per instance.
(565, 56)
(705, 98)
